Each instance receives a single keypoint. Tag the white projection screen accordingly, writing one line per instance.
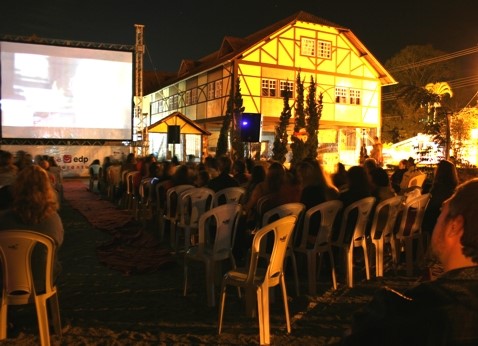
(58, 92)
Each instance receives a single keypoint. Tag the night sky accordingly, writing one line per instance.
(191, 29)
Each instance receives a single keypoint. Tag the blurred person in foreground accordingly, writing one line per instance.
(35, 207)
(443, 311)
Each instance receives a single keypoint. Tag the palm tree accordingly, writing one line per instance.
(431, 97)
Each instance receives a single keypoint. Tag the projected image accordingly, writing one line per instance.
(65, 92)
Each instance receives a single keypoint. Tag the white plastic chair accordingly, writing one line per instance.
(228, 195)
(194, 202)
(172, 212)
(352, 234)
(410, 230)
(259, 279)
(381, 231)
(216, 241)
(279, 212)
(16, 248)
(320, 242)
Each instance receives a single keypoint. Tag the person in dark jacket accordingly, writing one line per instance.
(443, 311)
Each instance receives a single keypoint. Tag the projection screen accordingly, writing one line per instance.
(60, 92)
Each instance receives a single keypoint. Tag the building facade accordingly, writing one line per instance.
(267, 63)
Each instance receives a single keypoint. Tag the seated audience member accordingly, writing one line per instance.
(239, 172)
(224, 178)
(397, 175)
(8, 174)
(35, 207)
(339, 177)
(412, 171)
(381, 186)
(443, 311)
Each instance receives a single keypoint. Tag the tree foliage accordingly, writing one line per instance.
(237, 109)
(403, 115)
(313, 112)
(299, 150)
(281, 138)
(234, 107)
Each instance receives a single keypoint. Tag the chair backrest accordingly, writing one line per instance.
(412, 216)
(417, 180)
(318, 224)
(217, 229)
(16, 248)
(281, 230)
(354, 220)
(385, 217)
(173, 199)
(114, 175)
(194, 203)
(229, 195)
(282, 210)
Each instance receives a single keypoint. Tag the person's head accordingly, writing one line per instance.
(379, 177)
(455, 236)
(202, 178)
(258, 174)
(224, 164)
(357, 178)
(34, 197)
(181, 175)
(239, 167)
(403, 164)
(446, 174)
(369, 164)
(275, 176)
(6, 158)
(411, 162)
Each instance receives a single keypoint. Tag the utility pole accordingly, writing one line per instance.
(142, 143)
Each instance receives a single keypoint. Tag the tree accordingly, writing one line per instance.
(313, 112)
(237, 109)
(431, 98)
(281, 138)
(460, 128)
(299, 151)
(234, 107)
(402, 119)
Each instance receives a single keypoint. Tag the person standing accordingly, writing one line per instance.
(443, 311)
(376, 152)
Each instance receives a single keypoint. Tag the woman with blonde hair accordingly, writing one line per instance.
(35, 207)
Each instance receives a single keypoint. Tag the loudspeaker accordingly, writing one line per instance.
(251, 124)
(173, 134)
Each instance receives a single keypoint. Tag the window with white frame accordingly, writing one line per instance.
(174, 102)
(354, 96)
(340, 95)
(307, 46)
(194, 96)
(210, 91)
(269, 87)
(286, 86)
(218, 91)
(155, 107)
(324, 49)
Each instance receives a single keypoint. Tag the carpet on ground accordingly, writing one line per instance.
(132, 249)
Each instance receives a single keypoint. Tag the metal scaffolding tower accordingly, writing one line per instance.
(141, 142)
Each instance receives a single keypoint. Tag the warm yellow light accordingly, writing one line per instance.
(474, 133)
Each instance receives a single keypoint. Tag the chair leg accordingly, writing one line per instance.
(3, 319)
(350, 266)
(221, 308)
(332, 268)
(312, 270)
(296, 274)
(210, 283)
(286, 304)
(55, 314)
(42, 316)
(365, 255)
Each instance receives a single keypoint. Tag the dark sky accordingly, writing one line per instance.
(190, 29)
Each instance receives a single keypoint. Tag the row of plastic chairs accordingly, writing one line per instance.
(396, 223)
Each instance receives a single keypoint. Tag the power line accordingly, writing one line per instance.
(434, 60)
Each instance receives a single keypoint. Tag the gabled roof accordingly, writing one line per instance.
(232, 47)
(176, 118)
